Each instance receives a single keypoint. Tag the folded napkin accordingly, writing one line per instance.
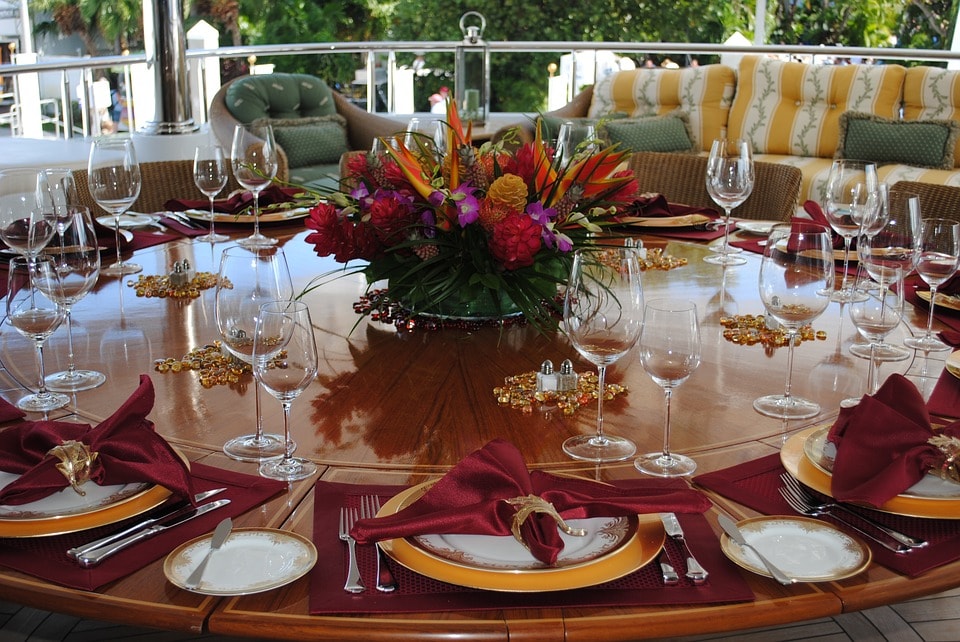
(126, 446)
(881, 444)
(815, 212)
(9, 412)
(657, 205)
(179, 227)
(239, 201)
(944, 400)
(474, 498)
(950, 337)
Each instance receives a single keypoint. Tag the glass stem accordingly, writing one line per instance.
(211, 218)
(847, 242)
(872, 380)
(287, 442)
(42, 385)
(256, 213)
(667, 396)
(726, 231)
(256, 402)
(933, 297)
(601, 379)
(788, 386)
(116, 236)
(71, 366)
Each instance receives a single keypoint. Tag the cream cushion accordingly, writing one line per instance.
(932, 93)
(703, 93)
(792, 108)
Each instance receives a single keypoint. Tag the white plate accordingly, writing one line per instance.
(953, 364)
(252, 560)
(760, 228)
(821, 454)
(806, 549)
(129, 220)
(604, 535)
(266, 215)
(67, 501)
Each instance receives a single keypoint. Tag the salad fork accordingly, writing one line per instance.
(354, 583)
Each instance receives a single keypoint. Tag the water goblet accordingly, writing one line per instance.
(796, 278)
(113, 176)
(78, 267)
(937, 258)
(285, 363)
(729, 182)
(247, 279)
(575, 140)
(27, 222)
(254, 160)
(669, 352)
(62, 198)
(35, 316)
(875, 314)
(851, 203)
(602, 317)
(210, 177)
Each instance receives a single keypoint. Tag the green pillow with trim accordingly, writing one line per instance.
(311, 141)
(665, 133)
(919, 143)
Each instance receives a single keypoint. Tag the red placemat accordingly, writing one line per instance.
(46, 558)
(417, 593)
(756, 484)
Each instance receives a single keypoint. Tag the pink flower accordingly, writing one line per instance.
(515, 241)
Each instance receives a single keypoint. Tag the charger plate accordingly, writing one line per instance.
(759, 228)
(807, 550)
(952, 364)
(686, 220)
(128, 220)
(794, 459)
(501, 564)
(290, 214)
(947, 301)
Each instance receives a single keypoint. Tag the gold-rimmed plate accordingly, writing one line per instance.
(794, 459)
(757, 228)
(501, 564)
(952, 364)
(947, 301)
(270, 216)
(687, 220)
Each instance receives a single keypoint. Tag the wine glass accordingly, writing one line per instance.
(575, 139)
(285, 363)
(78, 267)
(61, 197)
(851, 203)
(27, 220)
(729, 181)
(888, 255)
(113, 175)
(254, 159)
(937, 258)
(210, 177)
(669, 352)
(875, 314)
(247, 279)
(602, 316)
(796, 278)
(35, 316)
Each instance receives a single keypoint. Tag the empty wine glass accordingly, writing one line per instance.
(78, 267)
(113, 175)
(729, 182)
(875, 314)
(210, 177)
(888, 255)
(35, 316)
(62, 197)
(602, 317)
(937, 258)
(254, 159)
(669, 352)
(574, 140)
(796, 277)
(27, 220)
(247, 279)
(851, 203)
(285, 363)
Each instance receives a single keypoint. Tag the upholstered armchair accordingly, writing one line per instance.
(313, 124)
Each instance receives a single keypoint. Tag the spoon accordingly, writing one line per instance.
(220, 535)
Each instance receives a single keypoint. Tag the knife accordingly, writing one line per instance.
(696, 573)
(667, 574)
(97, 555)
(730, 528)
(174, 509)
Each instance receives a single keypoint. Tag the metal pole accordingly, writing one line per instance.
(169, 61)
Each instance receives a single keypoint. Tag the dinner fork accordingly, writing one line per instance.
(801, 501)
(354, 582)
(369, 507)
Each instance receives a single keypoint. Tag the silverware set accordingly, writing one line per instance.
(369, 507)
(695, 571)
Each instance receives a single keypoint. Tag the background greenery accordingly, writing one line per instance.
(518, 80)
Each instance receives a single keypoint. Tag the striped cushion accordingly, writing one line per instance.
(931, 92)
(794, 108)
(703, 93)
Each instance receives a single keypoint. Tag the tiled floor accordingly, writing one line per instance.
(930, 619)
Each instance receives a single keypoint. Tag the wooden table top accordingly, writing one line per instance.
(400, 407)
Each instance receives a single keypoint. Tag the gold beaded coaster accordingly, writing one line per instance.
(160, 286)
(520, 392)
(216, 367)
(751, 329)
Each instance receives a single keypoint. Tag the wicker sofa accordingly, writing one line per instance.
(793, 113)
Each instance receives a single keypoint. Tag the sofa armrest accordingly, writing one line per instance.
(362, 126)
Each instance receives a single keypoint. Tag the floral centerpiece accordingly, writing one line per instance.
(461, 228)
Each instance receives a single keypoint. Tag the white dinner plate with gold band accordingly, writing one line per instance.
(266, 216)
(953, 364)
(948, 301)
(612, 548)
(758, 228)
(794, 459)
(685, 220)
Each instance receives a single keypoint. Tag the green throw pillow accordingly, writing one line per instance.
(665, 133)
(311, 141)
(920, 143)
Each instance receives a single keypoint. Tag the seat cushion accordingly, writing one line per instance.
(279, 95)
(792, 108)
(703, 93)
(932, 92)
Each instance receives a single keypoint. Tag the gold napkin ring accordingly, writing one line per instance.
(949, 468)
(531, 504)
(75, 462)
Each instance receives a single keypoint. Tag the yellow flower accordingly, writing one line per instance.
(510, 191)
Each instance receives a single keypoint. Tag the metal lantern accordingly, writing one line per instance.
(472, 91)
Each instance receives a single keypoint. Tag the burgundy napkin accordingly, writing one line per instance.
(179, 227)
(239, 201)
(657, 205)
(881, 444)
(470, 499)
(815, 212)
(9, 412)
(129, 451)
(945, 399)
